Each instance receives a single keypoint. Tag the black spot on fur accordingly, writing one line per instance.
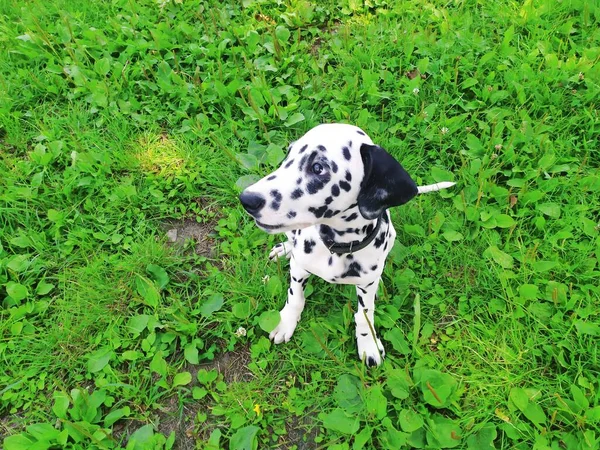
(353, 270)
(345, 185)
(326, 232)
(308, 246)
(299, 180)
(294, 278)
(289, 163)
(330, 262)
(350, 144)
(318, 212)
(379, 240)
(302, 162)
(364, 291)
(321, 148)
(348, 176)
(360, 301)
(351, 217)
(314, 186)
(335, 190)
(294, 242)
(303, 149)
(275, 205)
(363, 334)
(297, 194)
(276, 195)
(334, 167)
(369, 228)
(272, 177)
(371, 361)
(349, 256)
(360, 132)
(291, 292)
(328, 214)
(346, 152)
(328, 200)
(385, 247)
(304, 282)
(374, 267)
(291, 214)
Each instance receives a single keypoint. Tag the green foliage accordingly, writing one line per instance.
(84, 421)
(121, 120)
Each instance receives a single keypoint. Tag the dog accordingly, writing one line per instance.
(330, 196)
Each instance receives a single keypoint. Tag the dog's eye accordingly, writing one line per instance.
(317, 168)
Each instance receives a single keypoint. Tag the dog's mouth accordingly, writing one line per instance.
(280, 228)
(269, 228)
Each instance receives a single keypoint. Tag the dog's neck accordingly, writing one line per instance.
(349, 227)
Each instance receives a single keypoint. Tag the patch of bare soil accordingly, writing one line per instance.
(181, 232)
(301, 434)
(318, 42)
(232, 365)
(179, 418)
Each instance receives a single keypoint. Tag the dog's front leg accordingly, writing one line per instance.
(294, 305)
(370, 349)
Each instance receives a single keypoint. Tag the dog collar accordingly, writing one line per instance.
(354, 246)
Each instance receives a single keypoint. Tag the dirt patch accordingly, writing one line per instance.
(201, 235)
(180, 417)
(301, 434)
(180, 420)
(466, 273)
(232, 365)
(318, 42)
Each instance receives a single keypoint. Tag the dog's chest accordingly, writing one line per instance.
(361, 267)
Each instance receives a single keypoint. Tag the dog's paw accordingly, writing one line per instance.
(287, 325)
(370, 350)
(280, 250)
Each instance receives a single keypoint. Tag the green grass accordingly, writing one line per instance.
(121, 120)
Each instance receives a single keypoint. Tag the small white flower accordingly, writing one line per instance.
(444, 130)
(498, 147)
(265, 279)
(241, 331)
(416, 91)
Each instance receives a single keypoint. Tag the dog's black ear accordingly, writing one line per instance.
(385, 184)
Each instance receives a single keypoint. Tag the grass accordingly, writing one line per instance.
(122, 120)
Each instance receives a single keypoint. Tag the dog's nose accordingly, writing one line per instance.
(252, 202)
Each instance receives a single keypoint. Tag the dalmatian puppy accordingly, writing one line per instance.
(330, 196)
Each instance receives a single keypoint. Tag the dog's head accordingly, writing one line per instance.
(329, 170)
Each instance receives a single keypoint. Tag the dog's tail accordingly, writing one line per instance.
(435, 187)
